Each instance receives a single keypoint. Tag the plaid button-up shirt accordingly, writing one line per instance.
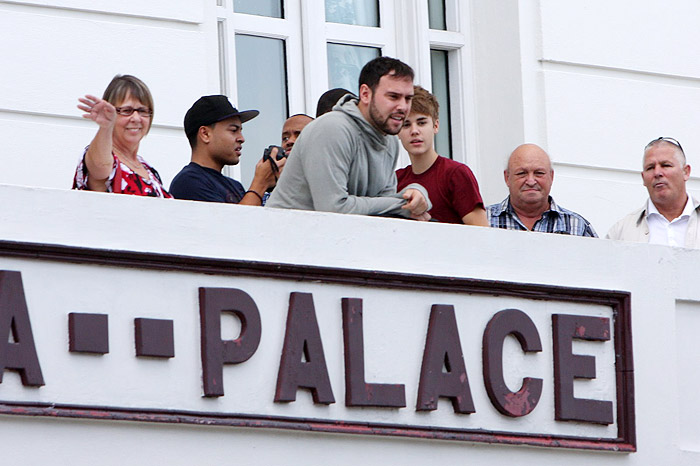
(554, 220)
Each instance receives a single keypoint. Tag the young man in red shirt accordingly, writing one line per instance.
(451, 185)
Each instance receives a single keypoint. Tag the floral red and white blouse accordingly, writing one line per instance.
(124, 180)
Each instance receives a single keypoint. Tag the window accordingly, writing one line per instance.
(271, 8)
(356, 32)
(436, 15)
(262, 85)
(440, 80)
(451, 81)
(361, 13)
(279, 56)
(345, 63)
(260, 67)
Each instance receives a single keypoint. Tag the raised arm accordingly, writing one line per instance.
(98, 158)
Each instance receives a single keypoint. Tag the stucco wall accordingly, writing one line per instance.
(591, 82)
(55, 52)
(664, 302)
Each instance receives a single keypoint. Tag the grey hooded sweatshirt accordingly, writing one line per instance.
(341, 163)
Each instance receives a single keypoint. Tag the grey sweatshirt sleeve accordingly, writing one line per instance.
(327, 167)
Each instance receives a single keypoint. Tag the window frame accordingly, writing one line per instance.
(455, 40)
(403, 33)
(228, 23)
(315, 49)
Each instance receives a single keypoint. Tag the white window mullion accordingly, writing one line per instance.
(223, 48)
(262, 28)
(412, 41)
(453, 15)
(223, 58)
(275, 28)
(446, 40)
(462, 86)
(387, 18)
(313, 31)
(357, 35)
(296, 78)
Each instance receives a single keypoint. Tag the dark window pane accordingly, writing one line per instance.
(358, 12)
(272, 8)
(345, 63)
(441, 89)
(436, 14)
(262, 85)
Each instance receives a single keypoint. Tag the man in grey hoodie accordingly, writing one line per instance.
(344, 161)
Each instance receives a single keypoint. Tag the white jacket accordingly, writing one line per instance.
(635, 227)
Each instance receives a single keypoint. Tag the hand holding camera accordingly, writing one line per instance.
(270, 166)
(267, 155)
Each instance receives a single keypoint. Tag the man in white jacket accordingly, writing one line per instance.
(670, 215)
(344, 160)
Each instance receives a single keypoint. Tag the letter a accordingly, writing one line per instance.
(303, 364)
(20, 354)
(443, 350)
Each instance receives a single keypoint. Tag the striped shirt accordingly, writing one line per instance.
(554, 220)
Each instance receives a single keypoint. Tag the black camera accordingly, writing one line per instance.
(267, 154)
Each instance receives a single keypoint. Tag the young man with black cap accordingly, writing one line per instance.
(214, 129)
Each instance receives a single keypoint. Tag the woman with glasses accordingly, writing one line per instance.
(111, 162)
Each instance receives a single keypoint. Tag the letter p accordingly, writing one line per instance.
(217, 352)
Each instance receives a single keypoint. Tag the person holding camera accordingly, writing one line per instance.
(214, 128)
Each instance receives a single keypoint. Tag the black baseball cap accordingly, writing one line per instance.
(212, 109)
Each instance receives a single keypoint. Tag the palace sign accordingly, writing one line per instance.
(144, 337)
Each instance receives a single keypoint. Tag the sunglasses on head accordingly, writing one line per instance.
(663, 138)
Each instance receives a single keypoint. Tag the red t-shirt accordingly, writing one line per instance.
(451, 185)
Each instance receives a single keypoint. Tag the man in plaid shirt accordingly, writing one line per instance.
(529, 206)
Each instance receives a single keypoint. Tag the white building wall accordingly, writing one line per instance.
(591, 82)
(55, 52)
(611, 77)
(664, 329)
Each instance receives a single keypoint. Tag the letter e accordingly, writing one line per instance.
(569, 366)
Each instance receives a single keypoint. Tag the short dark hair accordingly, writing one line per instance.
(329, 99)
(192, 137)
(373, 71)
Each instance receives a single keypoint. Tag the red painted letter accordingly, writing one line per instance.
(357, 391)
(216, 352)
(20, 354)
(517, 323)
(303, 364)
(569, 366)
(443, 350)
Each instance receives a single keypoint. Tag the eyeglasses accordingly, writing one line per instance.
(128, 111)
(663, 138)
